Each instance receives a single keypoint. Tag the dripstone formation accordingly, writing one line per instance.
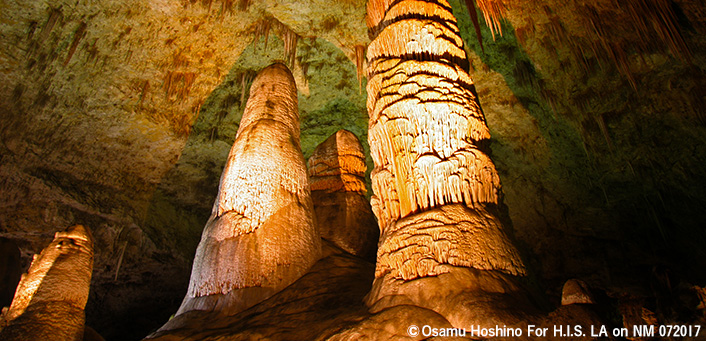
(50, 299)
(261, 235)
(293, 250)
(436, 189)
(337, 178)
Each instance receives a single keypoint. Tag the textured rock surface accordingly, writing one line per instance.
(575, 291)
(602, 182)
(125, 144)
(50, 298)
(337, 179)
(427, 135)
(442, 244)
(323, 301)
(261, 236)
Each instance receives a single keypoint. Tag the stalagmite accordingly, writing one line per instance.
(337, 177)
(436, 190)
(261, 235)
(50, 299)
(575, 291)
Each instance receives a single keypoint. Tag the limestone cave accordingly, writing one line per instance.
(353, 170)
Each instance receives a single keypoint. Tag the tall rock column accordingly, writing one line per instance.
(337, 177)
(436, 189)
(261, 235)
(51, 297)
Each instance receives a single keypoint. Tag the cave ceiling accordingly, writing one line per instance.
(119, 115)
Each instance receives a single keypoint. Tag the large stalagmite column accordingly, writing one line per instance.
(261, 235)
(435, 188)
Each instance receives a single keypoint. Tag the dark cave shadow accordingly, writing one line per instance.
(662, 223)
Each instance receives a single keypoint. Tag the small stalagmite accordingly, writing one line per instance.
(576, 291)
(436, 190)
(50, 298)
(337, 177)
(261, 235)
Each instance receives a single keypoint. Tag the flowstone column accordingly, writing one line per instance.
(436, 190)
(261, 235)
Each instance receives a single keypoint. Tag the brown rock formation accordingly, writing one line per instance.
(337, 178)
(261, 235)
(575, 291)
(435, 188)
(50, 298)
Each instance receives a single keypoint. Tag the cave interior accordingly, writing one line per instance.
(120, 115)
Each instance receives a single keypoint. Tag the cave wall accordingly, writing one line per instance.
(119, 116)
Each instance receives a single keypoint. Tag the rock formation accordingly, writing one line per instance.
(337, 177)
(575, 291)
(50, 298)
(436, 189)
(261, 235)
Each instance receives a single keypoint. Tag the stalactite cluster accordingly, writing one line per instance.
(427, 135)
(648, 26)
(493, 11)
(225, 6)
(266, 25)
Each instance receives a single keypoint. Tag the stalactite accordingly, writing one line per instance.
(243, 5)
(290, 44)
(600, 120)
(651, 25)
(493, 11)
(359, 64)
(648, 16)
(55, 15)
(178, 84)
(474, 19)
(78, 35)
(263, 28)
(550, 98)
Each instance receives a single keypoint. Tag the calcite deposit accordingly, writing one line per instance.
(50, 299)
(436, 190)
(120, 115)
(261, 235)
(428, 135)
(337, 178)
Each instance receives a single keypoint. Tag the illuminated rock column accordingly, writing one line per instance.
(435, 188)
(261, 235)
(51, 297)
(337, 176)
